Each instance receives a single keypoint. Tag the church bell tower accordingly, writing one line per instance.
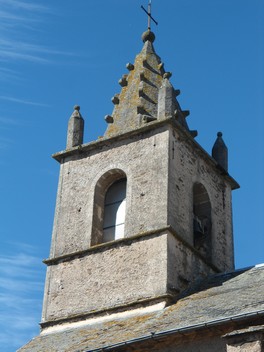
(142, 212)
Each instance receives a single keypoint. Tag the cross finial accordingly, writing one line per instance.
(148, 12)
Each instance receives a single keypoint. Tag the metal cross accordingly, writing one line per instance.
(148, 12)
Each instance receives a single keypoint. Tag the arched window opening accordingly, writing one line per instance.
(202, 222)
(114, 211)
(109, 207)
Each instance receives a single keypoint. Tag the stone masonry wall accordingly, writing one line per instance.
(184, 266)
(119, 274)
(144, 160)
(252, 346)
(250, 339)
(112, 277)
(161, 168)
(187, 166)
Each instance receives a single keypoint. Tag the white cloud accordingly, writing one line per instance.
(4, 15)
(5, 55)
(22, 101)
(21, 287)
(9, 121)
(16, 24)
(12, 49)
(24, 5)
(18, 21)
(21, 246)
(14, 14)
(8, 74)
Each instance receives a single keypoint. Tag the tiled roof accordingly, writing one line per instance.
(221, 297)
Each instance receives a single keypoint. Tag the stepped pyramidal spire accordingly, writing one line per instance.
(146, 95)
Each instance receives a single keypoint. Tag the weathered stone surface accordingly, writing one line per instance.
(220, 152)
(146, 91)
(248, 339)
(186, 167)
(75, 129)
(109, 278)
(253, 346)
(147, 73)
(122, 273)
(161, 165)
(166, 100)
(143, 159)
(196, 322)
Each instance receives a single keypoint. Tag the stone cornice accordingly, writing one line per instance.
(151, 126)
(125, 242)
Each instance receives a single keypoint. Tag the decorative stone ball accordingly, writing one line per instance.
(148, 36)
(167, 75)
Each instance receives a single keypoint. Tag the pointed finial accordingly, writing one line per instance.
(148, 35)
(75, 128)
(220, 152)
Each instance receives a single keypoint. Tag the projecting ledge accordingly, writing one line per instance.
(150, 126)
(127, 242)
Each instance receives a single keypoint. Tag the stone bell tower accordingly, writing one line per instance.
(143, 211)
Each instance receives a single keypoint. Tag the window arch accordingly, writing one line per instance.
(202, 222)
(109, 207)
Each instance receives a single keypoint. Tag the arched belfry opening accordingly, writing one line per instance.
(109, 207)
(202, 220)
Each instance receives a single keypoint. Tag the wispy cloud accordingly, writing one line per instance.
(7, 74)
(12, 49)
(19, 20)
(24, 5)
(20, 288)
(9, 121)
(14, 14)
(4, 16)
(6, 55)
(5, 143)
(22, 101)
(21, 246)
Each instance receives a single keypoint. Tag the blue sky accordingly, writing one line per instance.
(55, 54)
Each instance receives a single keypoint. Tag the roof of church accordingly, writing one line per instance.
(146, 95)
(215, 300)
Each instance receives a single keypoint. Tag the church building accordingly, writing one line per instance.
(142, 255)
